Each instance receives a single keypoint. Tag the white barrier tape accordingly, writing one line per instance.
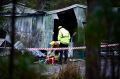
(109, 45)
(74, 48)
(66, 48)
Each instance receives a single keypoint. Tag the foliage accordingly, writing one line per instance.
(50, 4)
(1, 21)
(95, 30)
(101, 25)
(57, 4)
(79, 38)
(24, 68)
(46, 4)
(1, 18)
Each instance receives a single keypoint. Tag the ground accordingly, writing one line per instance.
(55, 68)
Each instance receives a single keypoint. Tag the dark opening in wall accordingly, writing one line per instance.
(2, 33)
(68, 20)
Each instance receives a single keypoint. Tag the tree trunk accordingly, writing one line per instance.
(92, 43)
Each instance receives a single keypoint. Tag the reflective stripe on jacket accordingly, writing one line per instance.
(64, 36)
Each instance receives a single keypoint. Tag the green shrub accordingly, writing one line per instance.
(24, 68)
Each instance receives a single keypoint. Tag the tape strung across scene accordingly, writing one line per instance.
(65, 48)
(74, 48)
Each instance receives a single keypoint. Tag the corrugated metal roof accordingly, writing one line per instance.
(20, 8)
(66, 8)
(22, 14)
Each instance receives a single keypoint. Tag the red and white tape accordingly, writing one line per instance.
(74, 48)
(109, 45)
(66, 48)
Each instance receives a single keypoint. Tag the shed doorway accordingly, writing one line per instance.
(68, 20)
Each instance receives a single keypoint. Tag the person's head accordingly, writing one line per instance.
(59, 27)
(52, 43)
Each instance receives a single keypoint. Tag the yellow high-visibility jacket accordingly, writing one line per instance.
(64, 36)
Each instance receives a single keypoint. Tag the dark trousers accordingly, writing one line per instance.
(63, 52)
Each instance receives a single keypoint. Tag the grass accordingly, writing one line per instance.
(68, 71)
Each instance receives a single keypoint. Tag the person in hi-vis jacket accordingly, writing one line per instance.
(64, 38)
